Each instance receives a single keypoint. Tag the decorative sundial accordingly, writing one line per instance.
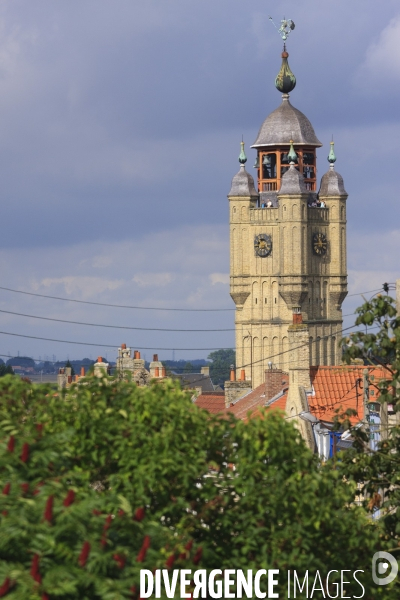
(287, 26)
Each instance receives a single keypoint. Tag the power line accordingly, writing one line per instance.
(9, 312)
(117, 305)
(7, 289)
(334, 404)
(323, 337)
(169, 349)
(35, 337)
(359, 293)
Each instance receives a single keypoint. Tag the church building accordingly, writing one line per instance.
(288, 272)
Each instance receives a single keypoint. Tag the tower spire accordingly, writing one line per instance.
(285, 81)
(332, 156)
(242, 155)
(292, 156)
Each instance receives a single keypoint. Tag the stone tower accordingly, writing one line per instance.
(287, 244)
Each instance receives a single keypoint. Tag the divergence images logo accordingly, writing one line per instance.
(380, 564)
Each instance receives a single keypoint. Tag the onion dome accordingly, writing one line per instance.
(243, 182)
(332, 155)
(285, 81)
(292, 182)
(242, 155)
(285, 123)
(332, 183)
(292, 156)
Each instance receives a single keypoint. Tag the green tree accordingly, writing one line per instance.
(21, 361)
(377, 473)
(188, 368)
(6, 370)
(68, 365)
(108, 478)
(221, 365)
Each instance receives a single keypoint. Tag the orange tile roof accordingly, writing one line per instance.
(253, 403)
(213, 402)
(335, 388)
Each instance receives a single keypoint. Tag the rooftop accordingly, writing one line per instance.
(284, 124)
(340, 388)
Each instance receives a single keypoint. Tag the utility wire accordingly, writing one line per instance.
(334, 404)
(9, 312)
(118, 305)
(169, 349)
(7, 289)
(35, 337)
(361, 293)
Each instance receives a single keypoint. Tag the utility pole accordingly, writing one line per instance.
(366, 406)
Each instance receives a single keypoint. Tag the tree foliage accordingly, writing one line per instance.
(107, 478)
(21, 361)
(6, 370)
(377, 473)
(69, 365)
(221, 365)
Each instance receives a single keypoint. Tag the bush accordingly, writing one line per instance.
(108, 478)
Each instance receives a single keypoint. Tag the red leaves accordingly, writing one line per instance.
(139, 514)
(169, 563)
(6, 489)
(105, 529)
(188, 548)
(69, 498)
(84, 554)
(25, 452)
(143, 550)
(48, 511)
(197, 556)
(37, 489)
(39, 428)
(11, 444)
(25, 488)
(120, 560)
(4, 589)
(35, 569)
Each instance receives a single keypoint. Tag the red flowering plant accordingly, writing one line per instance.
(108, 478)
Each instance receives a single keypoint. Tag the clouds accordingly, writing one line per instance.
(169, 269)
(119, 135)
(382, 61)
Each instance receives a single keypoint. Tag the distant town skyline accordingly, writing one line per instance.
(120, 128)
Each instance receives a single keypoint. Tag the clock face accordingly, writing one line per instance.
(319, 244)
(262, 245)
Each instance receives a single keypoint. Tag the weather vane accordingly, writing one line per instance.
(287, 25)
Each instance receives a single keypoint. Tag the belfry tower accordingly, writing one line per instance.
(287, 244)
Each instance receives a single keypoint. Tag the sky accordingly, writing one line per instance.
(120, 124)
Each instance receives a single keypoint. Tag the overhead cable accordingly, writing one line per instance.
(7, 289)
(9, 312)
(118, 305)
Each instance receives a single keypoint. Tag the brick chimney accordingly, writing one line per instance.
(205, 371)
(273, 382)
(155, 367)
(236, 389)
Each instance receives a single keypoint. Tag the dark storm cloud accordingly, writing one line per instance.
(120, 125)
(127, 114)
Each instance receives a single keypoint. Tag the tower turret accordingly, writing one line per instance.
(287, 245)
